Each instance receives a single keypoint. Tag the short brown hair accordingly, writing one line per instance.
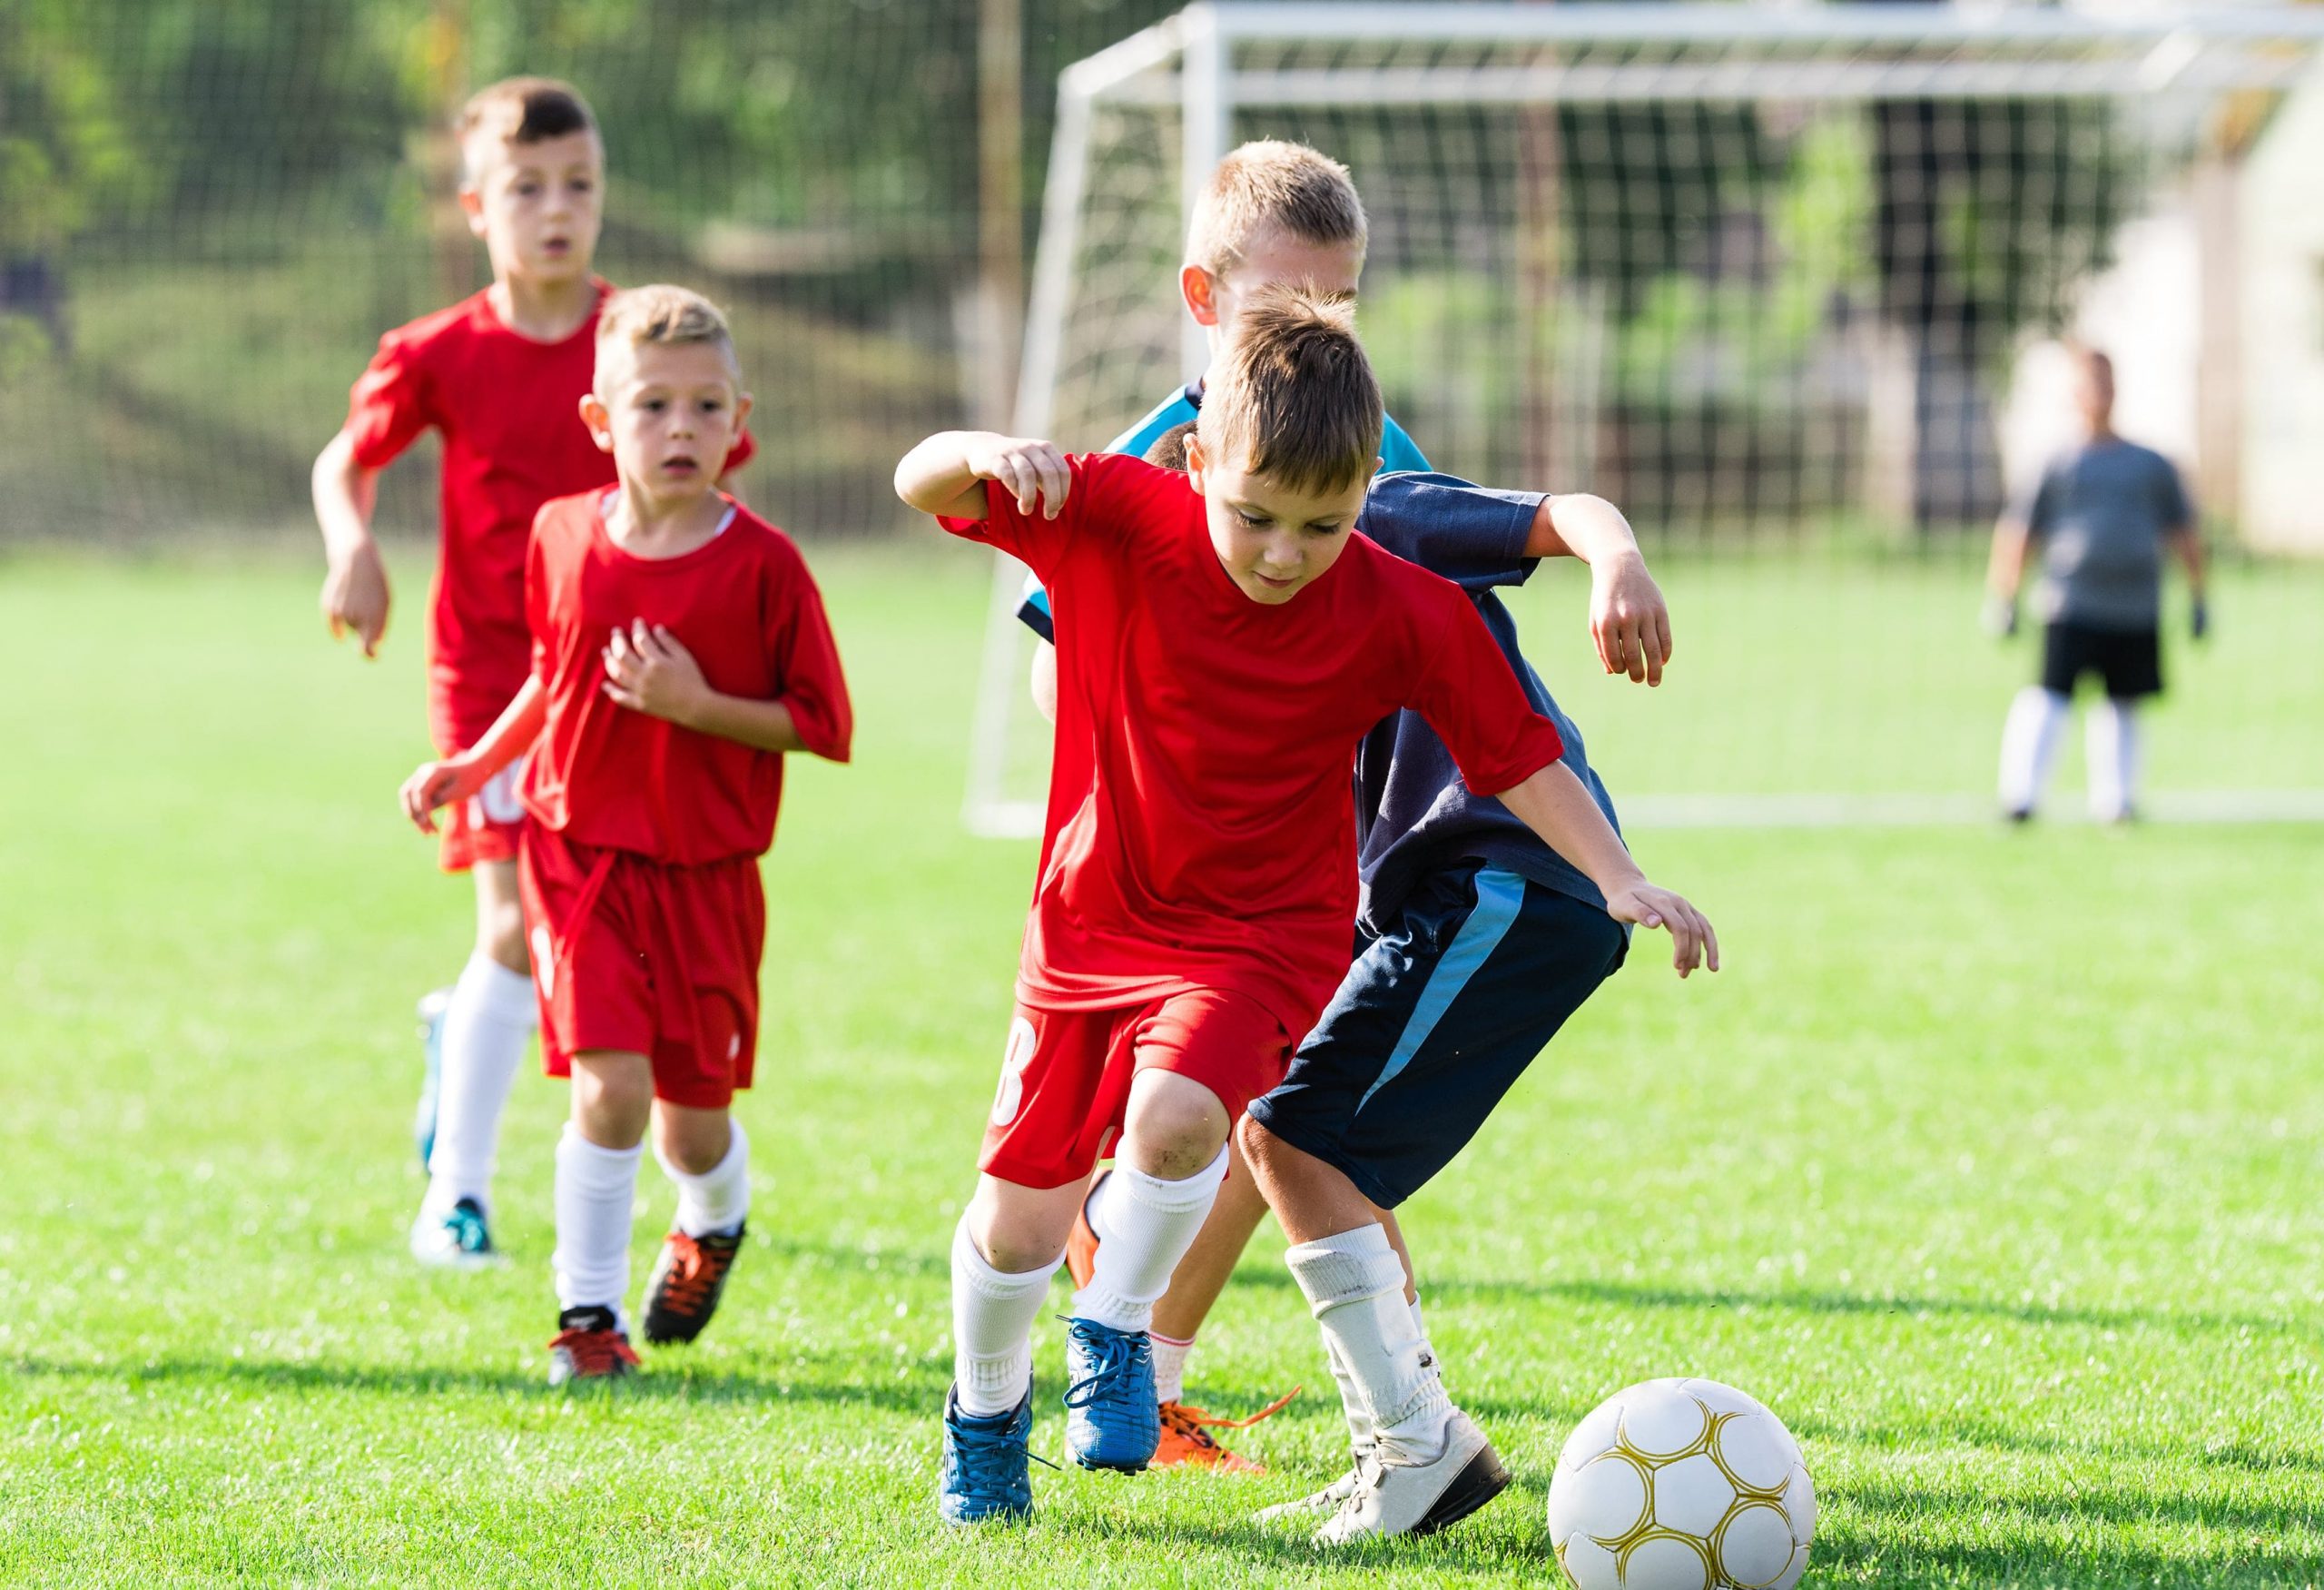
(665, 314)
(1169, 450)
(1293, 397)
(519, 110)
(1269, 186)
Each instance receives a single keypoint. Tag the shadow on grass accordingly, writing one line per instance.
(919, 1392)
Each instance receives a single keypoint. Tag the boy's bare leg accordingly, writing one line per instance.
(491, 1013)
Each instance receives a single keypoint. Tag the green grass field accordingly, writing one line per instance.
(1990, 1160)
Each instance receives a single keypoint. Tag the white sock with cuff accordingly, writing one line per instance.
(714, 1202)
(1149, 1225)
(2110, 745)
(493, 1010)
(2029, 743)
(596, 1189)
(992, 1327)
(1354, 1285)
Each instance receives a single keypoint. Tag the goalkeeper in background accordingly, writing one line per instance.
(2101, 514)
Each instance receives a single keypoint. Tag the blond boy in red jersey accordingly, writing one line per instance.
(500, 376)
(679, 648)
(1227, 640)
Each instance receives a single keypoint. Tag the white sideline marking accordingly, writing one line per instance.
(1022, 819)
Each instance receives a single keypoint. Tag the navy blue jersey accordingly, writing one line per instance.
(1413, 815)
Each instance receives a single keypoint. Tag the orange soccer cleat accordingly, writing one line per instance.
(1187, 1443)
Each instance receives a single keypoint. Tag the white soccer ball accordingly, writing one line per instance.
(1681, 1485)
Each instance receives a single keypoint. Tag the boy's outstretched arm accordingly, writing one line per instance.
(355, 581)
(458, 777)
(1555, 807)
(1628, 620)
(945, 475)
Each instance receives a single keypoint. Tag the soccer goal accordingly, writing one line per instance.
(1788, 283)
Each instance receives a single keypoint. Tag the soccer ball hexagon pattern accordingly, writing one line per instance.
(1681, 1485)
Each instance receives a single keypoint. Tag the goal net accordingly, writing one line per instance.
(1789, 284)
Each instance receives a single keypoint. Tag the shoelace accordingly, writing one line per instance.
(596, 1352)
(1115, 1355)
(468, 1230)
(697, 1270)
(978, 1451)
(1190, 1421)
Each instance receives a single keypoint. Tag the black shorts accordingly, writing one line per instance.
(1433, 1022)
(2128, 662)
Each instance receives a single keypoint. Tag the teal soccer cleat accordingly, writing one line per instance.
(431, 1042)
(988, 1469)
(1112, 1419)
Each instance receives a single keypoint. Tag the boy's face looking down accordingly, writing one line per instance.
(1277, 257)
(2093, 392)
(1272, 541)
(669, 413)
(536, 205)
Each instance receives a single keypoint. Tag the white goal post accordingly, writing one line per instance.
(1765, 269)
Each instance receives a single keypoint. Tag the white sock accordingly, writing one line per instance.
(716, 1201)
(1355, 1284)
(1169, 1365)
(992, 1327)
(1151, 1224)
(1360, 1434)
(594, 1190)
(492, 1012)
(2029, 743)
(2111, 742)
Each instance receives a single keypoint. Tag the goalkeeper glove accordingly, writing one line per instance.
(2198, 619)
(2001, 616)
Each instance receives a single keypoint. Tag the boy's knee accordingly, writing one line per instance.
(696, 1147)
(1009, 1251)
(1256, 1144)
(612, 1099)
(1175, 1130)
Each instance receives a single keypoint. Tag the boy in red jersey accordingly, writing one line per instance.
(1225, 642)
(679, 648)
(501, 375)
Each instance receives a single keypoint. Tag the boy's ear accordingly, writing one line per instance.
(600, 421)
(1194, 456)
(472, 206)
(743, 401)
(1199, 289)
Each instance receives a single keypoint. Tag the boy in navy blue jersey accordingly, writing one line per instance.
(1474, 942)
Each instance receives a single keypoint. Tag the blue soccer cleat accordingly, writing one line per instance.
(431, 1041)
(988, 1469)
(1112, 1419)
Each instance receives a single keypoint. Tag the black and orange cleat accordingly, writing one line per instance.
(687, 1279)
(589, 1345)
(1187, 1443)
(1081, 1243)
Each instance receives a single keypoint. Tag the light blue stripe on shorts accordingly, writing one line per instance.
(1500, 895)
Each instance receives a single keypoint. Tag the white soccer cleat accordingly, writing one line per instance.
(1395, 1497)
(1326, 1500)
(456, 1239)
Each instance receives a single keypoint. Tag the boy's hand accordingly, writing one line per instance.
(440, 784)
(2198, 619)
(1030, 470)
(1628, 620)
(355, 596)
(2001, 617)
(647, 671)
(1693, 944)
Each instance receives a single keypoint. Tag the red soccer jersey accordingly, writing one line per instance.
(509, 410)
(745, 604)
(1201, 829)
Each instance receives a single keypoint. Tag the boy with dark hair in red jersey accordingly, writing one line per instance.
(1225, 642)
(501, 376)
(679, 650)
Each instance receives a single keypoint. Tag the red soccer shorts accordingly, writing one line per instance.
(660, 961)
(485, 826)
(1065, 1082)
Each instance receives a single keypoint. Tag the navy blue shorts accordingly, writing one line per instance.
(1436, 1020)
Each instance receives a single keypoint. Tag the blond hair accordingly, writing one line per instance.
(1292, 396)
(519, 110)
(672, 316)
(1267, 186)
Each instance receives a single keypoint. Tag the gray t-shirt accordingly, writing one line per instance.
(2099, 514)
